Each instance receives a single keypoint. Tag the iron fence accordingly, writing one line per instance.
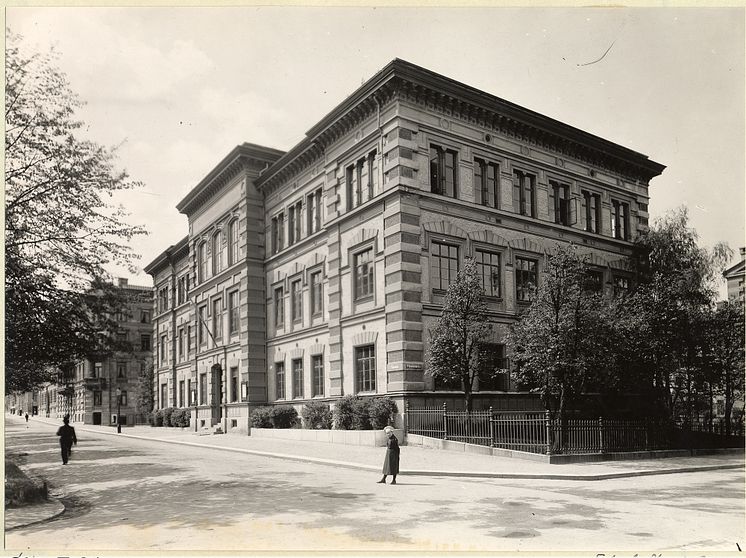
(537, 432)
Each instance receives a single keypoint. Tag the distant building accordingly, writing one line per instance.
(319, 272)
(87, 391)
(735, 276)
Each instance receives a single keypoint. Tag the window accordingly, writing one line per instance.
(202, 324)
(494, 359)
(363, 273)
(189, 339)
(526, 279)
(123, 399)
(181, 393)
(218, 253)
(96, 398)
(361, 180)
(164, 396)
(592, 211)
(122, 337)
(316, 293)
(145, 342)
(487, 182)
(162, 299)
(559, 202)
(145, 317)
(314, 211)
(217, 319)
(524, 193)
(622, 285)
(192, 398)
(278, 232)
(280, 380)
(297, 365)
(119, 316)
(97, 369)
(620, 219)
(183, 289)
(121, 370)
(279, 307)
(443, 171)
(317, 373)
(294, 218)
(202, 262)
(488, 265)
(444, 264)
(233, 242)
(365, 368)
(233, 313)
(203, 388)
(162, 359)
(181, 343)
(593, 281)
(234, 384)
(296, 301)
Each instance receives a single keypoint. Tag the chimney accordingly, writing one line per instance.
(122, 282)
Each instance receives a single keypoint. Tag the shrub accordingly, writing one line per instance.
(343, 412)
(382, 411)
(317, 415)
(180, 418)
(167, 412)
(360, 414)
(158, 417)
(261, 417)
(284, 416)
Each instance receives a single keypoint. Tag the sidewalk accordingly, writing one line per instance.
(422, 461)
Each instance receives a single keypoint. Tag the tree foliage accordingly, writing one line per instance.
(145, 399)
(457, 342)
(61, 227)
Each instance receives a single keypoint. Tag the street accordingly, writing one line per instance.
(127, 495)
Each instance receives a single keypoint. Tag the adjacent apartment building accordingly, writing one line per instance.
(319, 272)
(102, 388)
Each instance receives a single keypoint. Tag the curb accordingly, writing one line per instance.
(60, 510)
(435, 473)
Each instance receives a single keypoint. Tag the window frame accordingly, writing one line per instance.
(484, 164)
(234, 312)
(480, 267)
(279, 306)
(367, 278)
(620, 224)
(433, 258)
(521, 205)
(439, 170)
(317, 375)
(519, 288)
(592, 214)
(365, 375)
(296, 370)
(296, 300)
(280, 373)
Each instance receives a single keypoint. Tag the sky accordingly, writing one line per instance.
(177, 88)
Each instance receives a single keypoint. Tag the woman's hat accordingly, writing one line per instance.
(388, 429)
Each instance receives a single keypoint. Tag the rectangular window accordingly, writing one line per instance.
(96, 398)
(524, 193)
(622, 285)
(162, 359)
(291, 225)
(487, 182)
(297, 365)
(361, 179)
(192, 398)
(592, 211)
(121, 370)
(123, 400)
(275, 247)
(97, 369)
(202, 262)
(444, 264)
(203, 388)
(189, 339)
(296, 301)
(145, 342)
(365, 368)
(164, 396)
(202, 316)
(217, 319)
(593, 281)
(363, 273)
(182, 403)
(279, 307)
(317, 372)
(314, 212)
(526, 279)
(280, 380)
(233, 313)
(494, 359)
(488, 266)
(443, 171)
(620, 219)
(181, 343)
(316, 293)
(234, 384)
(145, 317)
(559, 202)
(278, 232)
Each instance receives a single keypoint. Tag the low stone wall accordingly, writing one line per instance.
(373, 438)
(450, 445)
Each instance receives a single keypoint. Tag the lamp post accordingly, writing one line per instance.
(119, 410)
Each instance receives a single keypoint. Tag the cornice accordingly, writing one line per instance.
(168, 256)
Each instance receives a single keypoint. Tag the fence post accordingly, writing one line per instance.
(548, 426)
(406, 418)
(647, 435)
(445, 422)
(601, 434)
(492, 431)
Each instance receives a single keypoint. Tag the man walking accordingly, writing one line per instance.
(67, 438)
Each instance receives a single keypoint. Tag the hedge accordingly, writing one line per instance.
(364, 413)
(317, 415)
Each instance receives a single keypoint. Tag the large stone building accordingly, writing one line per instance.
(102, 388)
(319, 272)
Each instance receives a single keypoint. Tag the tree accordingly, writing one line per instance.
(145, 400)
(560, 344)
(457, 342)
(61, 229)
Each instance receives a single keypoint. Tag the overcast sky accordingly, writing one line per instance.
(178, 88)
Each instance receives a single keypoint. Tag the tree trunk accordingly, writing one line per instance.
(468, 398)
(728, 402)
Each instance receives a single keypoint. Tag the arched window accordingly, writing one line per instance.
(202, 261)
(233, 242)
(218, 255)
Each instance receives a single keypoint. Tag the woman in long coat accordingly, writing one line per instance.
(391, 461)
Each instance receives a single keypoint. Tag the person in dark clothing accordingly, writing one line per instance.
(67, 439)
(391, 461)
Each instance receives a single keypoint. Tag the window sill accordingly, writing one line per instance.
(364, 299)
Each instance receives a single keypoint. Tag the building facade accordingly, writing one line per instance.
(351, 238)
(101, 389)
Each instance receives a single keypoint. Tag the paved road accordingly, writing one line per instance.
(125, 494)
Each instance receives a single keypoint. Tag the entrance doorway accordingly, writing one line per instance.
(97, 418)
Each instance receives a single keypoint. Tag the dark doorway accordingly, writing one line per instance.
(97, 417)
